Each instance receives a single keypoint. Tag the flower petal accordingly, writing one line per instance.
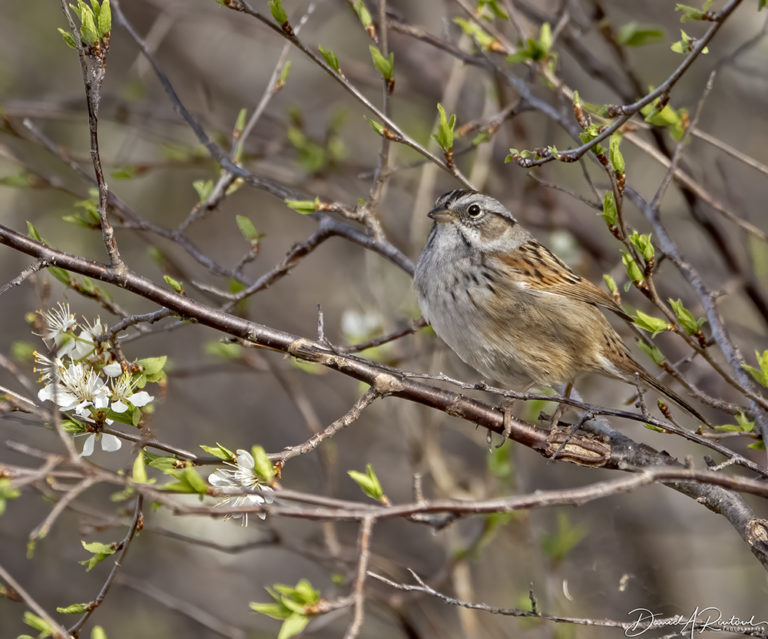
(119, 407)
(110, 443)
(218, 478)
(82, 409)
(142, 398)
(245, 459)
(88, 445)
(113, 370)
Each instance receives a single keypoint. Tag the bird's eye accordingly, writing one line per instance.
(474, 210)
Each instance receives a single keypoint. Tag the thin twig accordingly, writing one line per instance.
(635, 627)
(352, 415)
(358, 594)
(93, 64)
(58, 632)
(665, 181)
(44, 527)
(125, 543)
(16, 281)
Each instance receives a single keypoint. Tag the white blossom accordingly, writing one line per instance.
(59, 328)
(78, 387)
(49, 368)
(241, 475)
(122, 394)
(86, 343)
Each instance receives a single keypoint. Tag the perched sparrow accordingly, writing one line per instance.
(510, 308)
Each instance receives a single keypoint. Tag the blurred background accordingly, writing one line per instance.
(194, 576)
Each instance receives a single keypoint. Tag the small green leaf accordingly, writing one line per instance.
(7, 491)
(444, 135)
(362, 13)
(292, 626)
(278, 12)
(68, 39)
(652, 351)
(385, 66)
(759, 374)
(304, 207)
(289, 602)
(174, 284)
(545, 37)
(330, 58)
(248, 230)
(379, 128)
(484, 40)
(274, 610)
(262, 467)
(493, 6)
(152, 367)
(104, 22)
(98, 633)
(73, 427)
(219, 451)
(643, 244)
(633, 270)
(38, 623)
(204, 188)
(32, 232)
(742, 425)
(304, 593)
(534, 49)
(685, 44)
(163, 463)
(614, 154)
(685, 317)
(74, 609)
(760, 445)
(610, 214)
(693, 13)
(284, 74)
(189, 481)
(610, 283)
(368, 482)
(240, 121)
(633, 34)
(139, 471)
(653, 325)
(98, 551)
(88, 31)
(589, 134)
(676, 121)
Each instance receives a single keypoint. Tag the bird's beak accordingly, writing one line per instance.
(442, 215)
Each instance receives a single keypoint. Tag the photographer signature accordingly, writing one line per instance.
(700, 620)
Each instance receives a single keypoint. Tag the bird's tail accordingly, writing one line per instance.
(653, 383)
